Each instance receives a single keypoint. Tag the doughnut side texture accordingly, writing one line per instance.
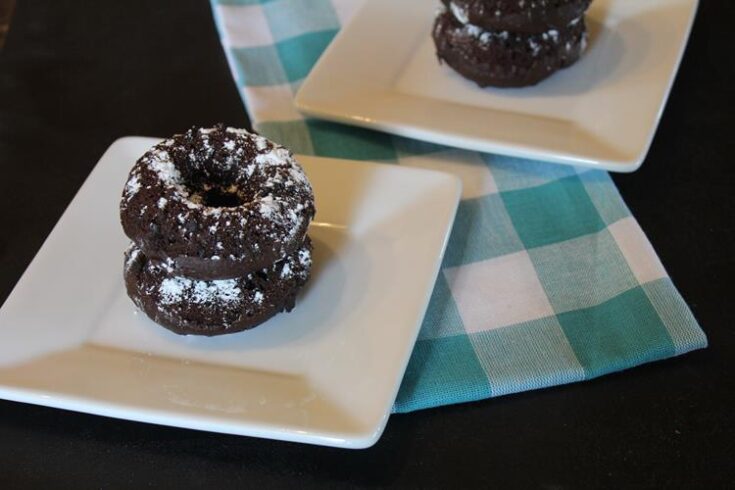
(214, 307)
(506, 59)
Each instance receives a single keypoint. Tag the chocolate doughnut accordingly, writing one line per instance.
(522, 16)
(506, 59)
(199, 307)
(217, 203)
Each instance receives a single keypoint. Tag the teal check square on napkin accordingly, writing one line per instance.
(547, 278)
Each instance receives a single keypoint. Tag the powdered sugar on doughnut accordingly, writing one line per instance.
(131, 255)
(276, 156)
(304, 257)
(460, 13)
(160, 162)
(133, 186)
(176, 289)
(269, 207)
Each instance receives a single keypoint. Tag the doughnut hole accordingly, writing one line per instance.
(210, 171)
(221, 198)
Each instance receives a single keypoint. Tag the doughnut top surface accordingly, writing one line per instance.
(217, 193)
(528, 16)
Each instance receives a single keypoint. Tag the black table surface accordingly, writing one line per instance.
(76, 75)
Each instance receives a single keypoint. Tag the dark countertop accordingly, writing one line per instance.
(75, 76)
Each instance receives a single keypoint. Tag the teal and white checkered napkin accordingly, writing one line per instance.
(547, 279)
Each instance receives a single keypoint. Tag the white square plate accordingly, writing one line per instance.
(381, 72)
(326, 373)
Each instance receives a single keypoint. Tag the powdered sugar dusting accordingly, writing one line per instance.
(168, 265)
(305, 257)
(286, 271)
(534, 41)
(238, 131)
(460, 13)
(220, 290)
(269, 207)
(473, 30)
(172, 289)
(133, 186)
(261, 143)
(177, 289)
(298, 175)
(131, 255)
(276, 156)
(161, 163)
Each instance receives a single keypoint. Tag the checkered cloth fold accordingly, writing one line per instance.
(547, 278)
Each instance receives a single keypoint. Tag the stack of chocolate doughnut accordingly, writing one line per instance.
(218, 220)
(510, 43)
